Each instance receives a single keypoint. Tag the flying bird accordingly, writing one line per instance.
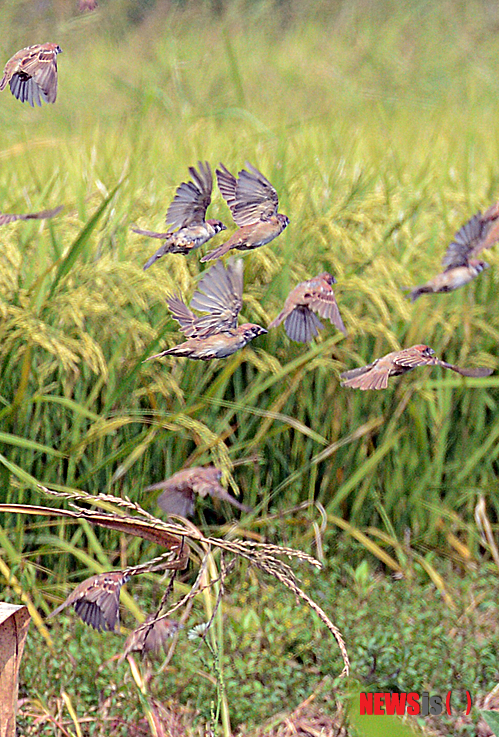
(97, 600)
(253, 202)
(186, 216)
(151, 635)
(307, 298)
(459, 261)
(215, 334)
(180, 489)
(376, 374)
(6, 218)
(32, 74)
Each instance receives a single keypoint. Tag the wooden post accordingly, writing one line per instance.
(14, 623)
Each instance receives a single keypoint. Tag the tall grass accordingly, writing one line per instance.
(377, 124)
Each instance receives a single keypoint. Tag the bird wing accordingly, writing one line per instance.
(191, 198)
(227, 184)
(325, 305)
(96, 600)
(8, 218)
(410, 358)
(491, 218)
(469, 240)
(251, 197)
(173, 501)
(205, 487)
(151, 635)
(220, 294)
(183, 315)
(40, 64)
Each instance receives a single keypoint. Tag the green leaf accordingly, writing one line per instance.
(80, 241)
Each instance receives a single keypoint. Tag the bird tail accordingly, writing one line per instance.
(277, 320)
(215, 253)
(418, 291)
(165, 248)
(158, 355)
(302, 325)
(365, 380)
(478, 372)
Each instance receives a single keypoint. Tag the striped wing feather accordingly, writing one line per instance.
(191, 198)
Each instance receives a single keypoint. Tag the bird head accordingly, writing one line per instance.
(425, 350)
(327, 277)
(477, 265)
(217, 225)
(250, 331)
(212, 473)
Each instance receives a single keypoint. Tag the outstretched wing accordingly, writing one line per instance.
(191, 198)
(97, 599)
(183, 315)
(325, 305)
(220, 294)
(480, 232)
(251, 197)
(33, 74)
(412, 357)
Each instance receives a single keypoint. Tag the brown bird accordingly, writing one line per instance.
(461, 266)
(215, 334)
(187, 213)
(375, 375)
(32, 74)
(150, 636)
(8, 218)
(314, 295)
(179, 490)
(253, 202)
(97, 600)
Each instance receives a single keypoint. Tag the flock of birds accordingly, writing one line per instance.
(253, 201)
(215, 333)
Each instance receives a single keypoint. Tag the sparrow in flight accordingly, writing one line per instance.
(253, 202)
(215, 334)
(459, 262)
(9, 218)
(186, 216)
(179, 490)
(97, 600)
(151, 635)
(32, 74)
(376, 374)
(309, 297)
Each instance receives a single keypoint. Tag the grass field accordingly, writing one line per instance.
(377, 123)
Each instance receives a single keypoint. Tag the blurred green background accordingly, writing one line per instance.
(377, 123)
